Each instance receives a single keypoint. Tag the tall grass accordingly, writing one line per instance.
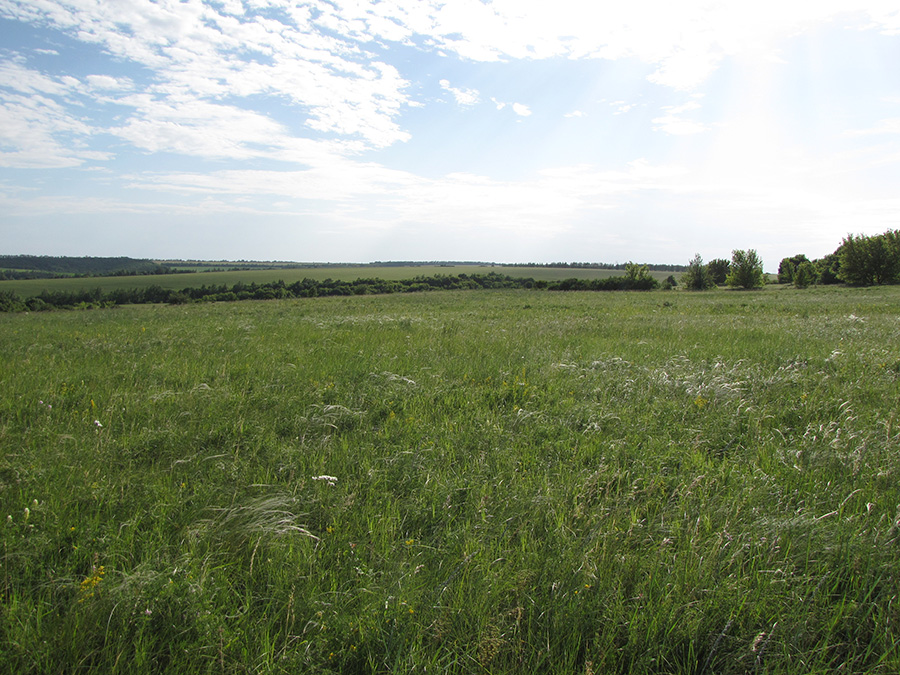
(524, 482)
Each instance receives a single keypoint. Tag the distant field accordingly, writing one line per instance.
(456, 482)
(31, 287)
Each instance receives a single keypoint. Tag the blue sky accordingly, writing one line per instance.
(504, 130)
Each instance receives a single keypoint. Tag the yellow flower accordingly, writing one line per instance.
(89, 585)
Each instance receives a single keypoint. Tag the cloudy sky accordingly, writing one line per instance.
(494, 130)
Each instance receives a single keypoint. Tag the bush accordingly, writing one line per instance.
(805, 274)
(697, 276)
(746, 270)
(718, 270)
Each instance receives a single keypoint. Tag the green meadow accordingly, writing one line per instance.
(456, 482)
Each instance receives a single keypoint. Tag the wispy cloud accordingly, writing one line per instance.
(464, 97)
(673, 123)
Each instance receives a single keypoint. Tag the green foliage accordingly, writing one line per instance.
(697, 276)
(746, 270)
(787, 267)
(805, 274)
(670, 283)
(637, 278)
(718, 270)
(10, 302)
(870, 261)
(828, 268)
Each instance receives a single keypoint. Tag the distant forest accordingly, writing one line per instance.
(53, 267)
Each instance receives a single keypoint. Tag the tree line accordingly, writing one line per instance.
(860, 260)
(56, 267)
(637, 277)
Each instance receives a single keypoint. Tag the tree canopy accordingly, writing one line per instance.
(746, 269)
(697, 276)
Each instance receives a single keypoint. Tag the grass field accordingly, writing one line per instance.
(27, 288)
(460, 482)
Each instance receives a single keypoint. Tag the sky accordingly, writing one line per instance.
(489, 130)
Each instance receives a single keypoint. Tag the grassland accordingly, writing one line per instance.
(463, 482)
(27, 288)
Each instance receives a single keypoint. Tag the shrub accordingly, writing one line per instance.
(746, 270)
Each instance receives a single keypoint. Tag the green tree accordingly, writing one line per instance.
(827, 269)
(869, 261)
(718, 270)
(805, 274)
(637, 277)
(746, 269)
(788, 266)
(697, 276)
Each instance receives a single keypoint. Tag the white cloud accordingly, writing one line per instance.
(521, 109)
(37, 132)
(672, 123)
(192, 47)
(684, 41)
(576, 113)
(622, 107)
(16, 76)
(107, 83)
(464, 97)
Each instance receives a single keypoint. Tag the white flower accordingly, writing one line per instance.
(97, 424)
(332, 481)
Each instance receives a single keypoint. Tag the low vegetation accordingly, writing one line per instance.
(493, 481)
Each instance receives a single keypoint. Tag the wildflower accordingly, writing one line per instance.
(332, 481)
(410, 542)
(89, 585)
(97, 424)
